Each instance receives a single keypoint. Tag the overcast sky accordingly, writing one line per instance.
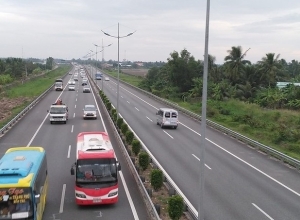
(69, 28)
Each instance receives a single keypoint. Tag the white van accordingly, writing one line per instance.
(167, 117)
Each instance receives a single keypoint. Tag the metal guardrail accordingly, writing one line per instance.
(259, 146)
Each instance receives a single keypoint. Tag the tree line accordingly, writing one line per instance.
(16, 68)
(237, 78)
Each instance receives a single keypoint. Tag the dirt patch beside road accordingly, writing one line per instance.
(7, 105)
(135, 72)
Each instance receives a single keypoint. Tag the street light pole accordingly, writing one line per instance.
(96, 56)
(203, 119)
(91, 63)
(118, 85)
(103, 60)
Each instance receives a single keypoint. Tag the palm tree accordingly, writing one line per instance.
(235, 63)
(270, 69)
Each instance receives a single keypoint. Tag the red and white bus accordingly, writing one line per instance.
(96, 170)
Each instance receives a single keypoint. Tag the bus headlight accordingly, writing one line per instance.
(79, 195)
(113, 194)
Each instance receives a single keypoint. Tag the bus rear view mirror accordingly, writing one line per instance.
(37, 198)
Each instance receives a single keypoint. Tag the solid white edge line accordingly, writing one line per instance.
(129, 197)
(37, 131)
(281, 184)
(262, 211)
(61, 208)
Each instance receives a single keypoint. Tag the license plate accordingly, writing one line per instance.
(97, 200)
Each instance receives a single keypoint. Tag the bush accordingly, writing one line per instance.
(119, 121)
(124, 128)
(144, 160)
(114, 116)
(108, 105)
(113, 111)
(136, 146)
(175, 207)
(129, 136)
(156, 179)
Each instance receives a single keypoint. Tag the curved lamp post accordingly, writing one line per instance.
(91, 64)
(102, 51)
(118, 61)
(96, 58)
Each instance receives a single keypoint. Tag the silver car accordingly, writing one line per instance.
(89, 111)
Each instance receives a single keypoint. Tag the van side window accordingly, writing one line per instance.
(167, 114)
(174, 115)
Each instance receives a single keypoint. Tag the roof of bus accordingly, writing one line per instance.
(94, 155)
(96, 144)
(19, 165)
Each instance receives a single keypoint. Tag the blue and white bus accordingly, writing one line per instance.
(23, 183)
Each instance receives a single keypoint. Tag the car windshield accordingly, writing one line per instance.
(89, 108)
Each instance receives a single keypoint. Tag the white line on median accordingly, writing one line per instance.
(262, 211)
(69, 151)
(199, 160)
(149, 119)
(61, 208)
(168, 134)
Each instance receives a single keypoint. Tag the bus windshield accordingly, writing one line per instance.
(102, 170)
(15, 203)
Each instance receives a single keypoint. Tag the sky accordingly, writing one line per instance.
(68, 29)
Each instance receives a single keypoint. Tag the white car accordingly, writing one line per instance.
(106, 78)
(72, 82)
(71, 87)
(86, 89)
(89, 111)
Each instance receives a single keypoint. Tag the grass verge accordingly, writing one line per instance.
(31, 89)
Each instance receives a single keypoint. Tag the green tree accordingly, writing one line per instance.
(234, 64)
(270, 68)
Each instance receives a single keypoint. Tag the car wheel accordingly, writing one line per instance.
(65, 122)
(51, 122)
(157, 123)
(175, 127)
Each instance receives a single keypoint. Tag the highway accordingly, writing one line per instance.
(59, 141)
(240, 182)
